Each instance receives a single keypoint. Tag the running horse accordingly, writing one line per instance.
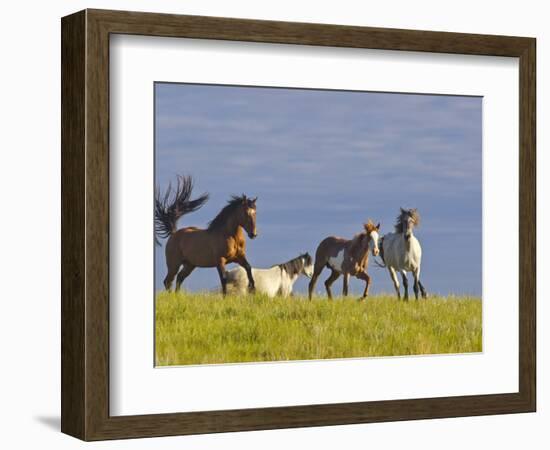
(223, 242)
(277, 280)
(402, 253)
(347, 257)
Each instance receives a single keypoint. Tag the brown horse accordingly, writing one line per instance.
(223, 242)
(348, 257)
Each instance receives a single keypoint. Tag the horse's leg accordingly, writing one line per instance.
(365, 276)
(173, 263)
(346, 285)
(316, 272)
(183, 274)
(223, 276)
(393, 276)
(406, 285)
(328, 283)
(246, 266)
(418, 284)
(172, 271)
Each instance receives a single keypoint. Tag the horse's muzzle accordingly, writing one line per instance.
(252, 235)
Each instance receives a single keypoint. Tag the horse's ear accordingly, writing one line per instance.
(378, 226)
(402, 210)
(254, 200)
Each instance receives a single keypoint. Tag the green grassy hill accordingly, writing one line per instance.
(204, 328)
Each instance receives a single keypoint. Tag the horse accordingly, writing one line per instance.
(401, 252)
(223, 242)
(279, 279)
(347, 257)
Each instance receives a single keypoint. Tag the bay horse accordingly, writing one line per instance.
(347, 257)
(223, 242)
(277, 280)
(401, 252)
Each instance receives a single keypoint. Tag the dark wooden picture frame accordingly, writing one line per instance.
(85, 224)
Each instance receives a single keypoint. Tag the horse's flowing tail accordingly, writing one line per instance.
(174, 204)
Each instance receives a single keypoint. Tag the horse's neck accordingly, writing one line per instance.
(355, 252)
(395, 236)
(233, 229)
(290, 278)
(408, 243)
(287, 282)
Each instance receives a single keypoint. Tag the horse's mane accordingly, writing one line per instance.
(295, 265)
(354, 243)
(368, 228)
(399, 222)
(227, 211)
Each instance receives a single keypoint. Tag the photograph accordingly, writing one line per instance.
(311, 224)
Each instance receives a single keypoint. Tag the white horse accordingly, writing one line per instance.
(401, 252)
(277, 280)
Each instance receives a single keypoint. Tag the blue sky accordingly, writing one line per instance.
(323, 162)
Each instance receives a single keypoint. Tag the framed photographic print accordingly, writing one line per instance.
(272, 225)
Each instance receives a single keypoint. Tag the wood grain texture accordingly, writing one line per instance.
(201, 27)
(85, 224)
(73, 273)
(97, 225)
(528, 223)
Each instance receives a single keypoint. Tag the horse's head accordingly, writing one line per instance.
(247, 217)
(307, 269)
(407, 220)
(372, 237)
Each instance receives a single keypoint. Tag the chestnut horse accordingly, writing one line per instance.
(223, 242)
(347, 257)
